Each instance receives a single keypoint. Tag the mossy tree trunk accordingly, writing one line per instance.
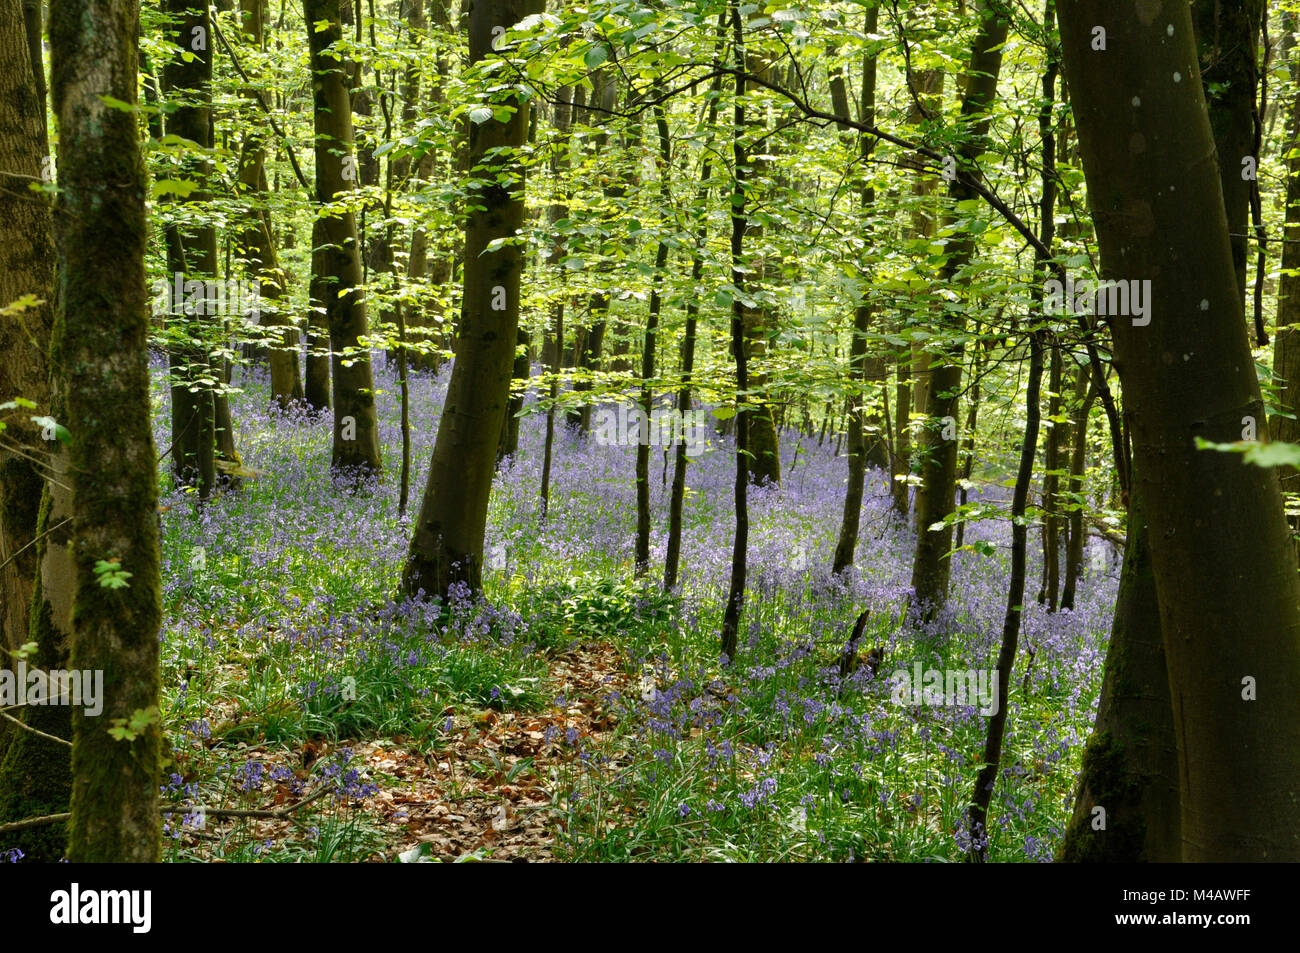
(1225, 574)
(26, 268)
(99, 356)
(35, 773)
(1130, 765)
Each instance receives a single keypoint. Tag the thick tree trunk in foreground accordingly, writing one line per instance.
(356, 428)
(35, 773)
(99, 350)
(447, 546)
(26, 268)
(1225, 574)
(1130, 766)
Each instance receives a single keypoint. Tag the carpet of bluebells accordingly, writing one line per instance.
(281, 630)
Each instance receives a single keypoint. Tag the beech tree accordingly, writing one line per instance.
(447, 545)
(336, 263)
(98, 352)
(1219, 572)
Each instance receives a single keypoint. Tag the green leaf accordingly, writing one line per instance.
(179, 187)
(118, 104)
(596, 55)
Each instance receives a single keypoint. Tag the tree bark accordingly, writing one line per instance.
(447, 546)
(35, 773)
(1130, 765)
(740, 541)
(1219, 541)
(859, 360)
(26, 268)
(192, 254)
(99, 344)
(931, 566)
(356, 429)
(259, 246)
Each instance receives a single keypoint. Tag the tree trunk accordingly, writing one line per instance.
(1130, 765)
(192, 255)
(847, 544)
(356, 429)
(931, 565)
(740, 541)
(99, 347)
(672, 555)
(35, 773)
(1049, 592)
(991, 759)
(26, 268)
(1084, 395)
(1221, 570)
(447, 546)
(556, 212)
(1286, 339)
(648, 347)
(1226, 36)
(259, 246)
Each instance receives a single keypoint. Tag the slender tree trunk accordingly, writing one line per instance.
(672, 556)
(1084, 396)
(317, 385)
(992, 757)
(1049, 592)
(648, 356)
(968, 442)
(740, 542)
(98, 350)
(1220, 570)
(1286, 339)
(447, 546)
(847, 544)
(556, 212)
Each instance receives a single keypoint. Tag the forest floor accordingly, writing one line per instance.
(579, 712)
